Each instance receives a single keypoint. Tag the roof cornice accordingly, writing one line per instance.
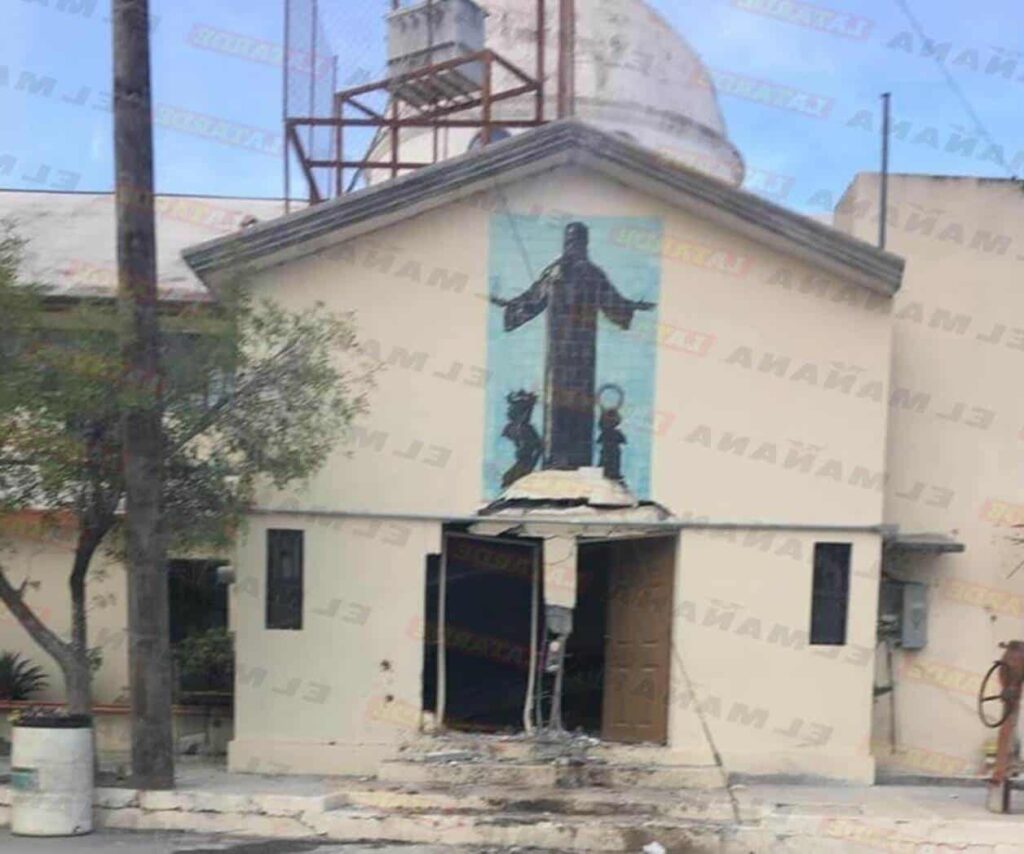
(556, 144)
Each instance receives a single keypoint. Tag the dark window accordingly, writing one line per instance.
(831, 596)
(284, 580)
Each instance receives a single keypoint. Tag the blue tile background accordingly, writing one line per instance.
(520, 248)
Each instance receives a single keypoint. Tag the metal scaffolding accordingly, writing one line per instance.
(436, 96)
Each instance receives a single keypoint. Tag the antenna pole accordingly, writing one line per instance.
(566, 58)
(883, 215)
(541, 47)
(284, 109)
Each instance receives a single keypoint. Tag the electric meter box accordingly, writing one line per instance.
(903, 613)
(430, 33)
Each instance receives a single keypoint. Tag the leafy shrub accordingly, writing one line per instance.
(205, 662)
(19, 678)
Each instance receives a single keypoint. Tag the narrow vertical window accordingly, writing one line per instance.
(830, 599)
(284, 580)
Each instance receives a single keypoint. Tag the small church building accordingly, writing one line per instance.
(653, 465)
(612, 479)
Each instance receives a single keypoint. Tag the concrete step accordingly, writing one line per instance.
(639, 803)
(467, 747)
(511, 830)
(558, 774)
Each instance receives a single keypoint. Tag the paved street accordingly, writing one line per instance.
(163, 843)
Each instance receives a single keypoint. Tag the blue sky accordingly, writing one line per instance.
(59, 135)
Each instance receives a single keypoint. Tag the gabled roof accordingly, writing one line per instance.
(533, 152)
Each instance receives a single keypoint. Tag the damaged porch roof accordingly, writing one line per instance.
(561, 501)
(559, 144)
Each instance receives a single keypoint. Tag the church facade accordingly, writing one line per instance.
(609, 482)
(650, 459)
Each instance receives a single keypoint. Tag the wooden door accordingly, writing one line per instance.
(638, 647)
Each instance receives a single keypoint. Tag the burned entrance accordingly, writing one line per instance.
(513, 660)
(483, 592)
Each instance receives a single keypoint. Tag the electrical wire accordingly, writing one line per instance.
(702, 719)
(523, 253)
(951, 82)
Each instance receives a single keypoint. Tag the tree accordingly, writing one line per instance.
(253, 395)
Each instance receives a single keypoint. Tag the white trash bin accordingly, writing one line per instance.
(52, 776)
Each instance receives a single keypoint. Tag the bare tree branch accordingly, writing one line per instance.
(43, 636)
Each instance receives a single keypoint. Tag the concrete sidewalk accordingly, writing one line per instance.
(919, 819)
(742, 818)
(180, 843)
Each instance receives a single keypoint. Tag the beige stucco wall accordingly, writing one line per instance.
(343, 691)
(959, 337)
(743, 353)
(44, 556)
(770, 408)
(742, 665)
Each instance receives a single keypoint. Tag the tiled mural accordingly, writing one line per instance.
(571, 357)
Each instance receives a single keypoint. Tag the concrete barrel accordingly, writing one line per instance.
(52, 776)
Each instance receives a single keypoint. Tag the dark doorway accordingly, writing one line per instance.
(202, 646)
(198, 600)
(430, 632)
(488, 606)
(583, 689)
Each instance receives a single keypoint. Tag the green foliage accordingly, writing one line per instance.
(252, 395)
(206, 662)
(278, 391)
(19, 678)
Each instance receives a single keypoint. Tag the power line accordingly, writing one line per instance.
(951, 82)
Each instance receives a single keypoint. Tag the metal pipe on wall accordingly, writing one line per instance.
(531, 679)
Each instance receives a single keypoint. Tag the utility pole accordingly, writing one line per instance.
(148, 609)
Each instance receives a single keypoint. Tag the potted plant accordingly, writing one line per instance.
(19, 677)
(205, 668)
(51, 773)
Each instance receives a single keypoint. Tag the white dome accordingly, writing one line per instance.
(635, 76)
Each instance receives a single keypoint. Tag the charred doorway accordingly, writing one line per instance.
(487, 594)
(487, 591)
